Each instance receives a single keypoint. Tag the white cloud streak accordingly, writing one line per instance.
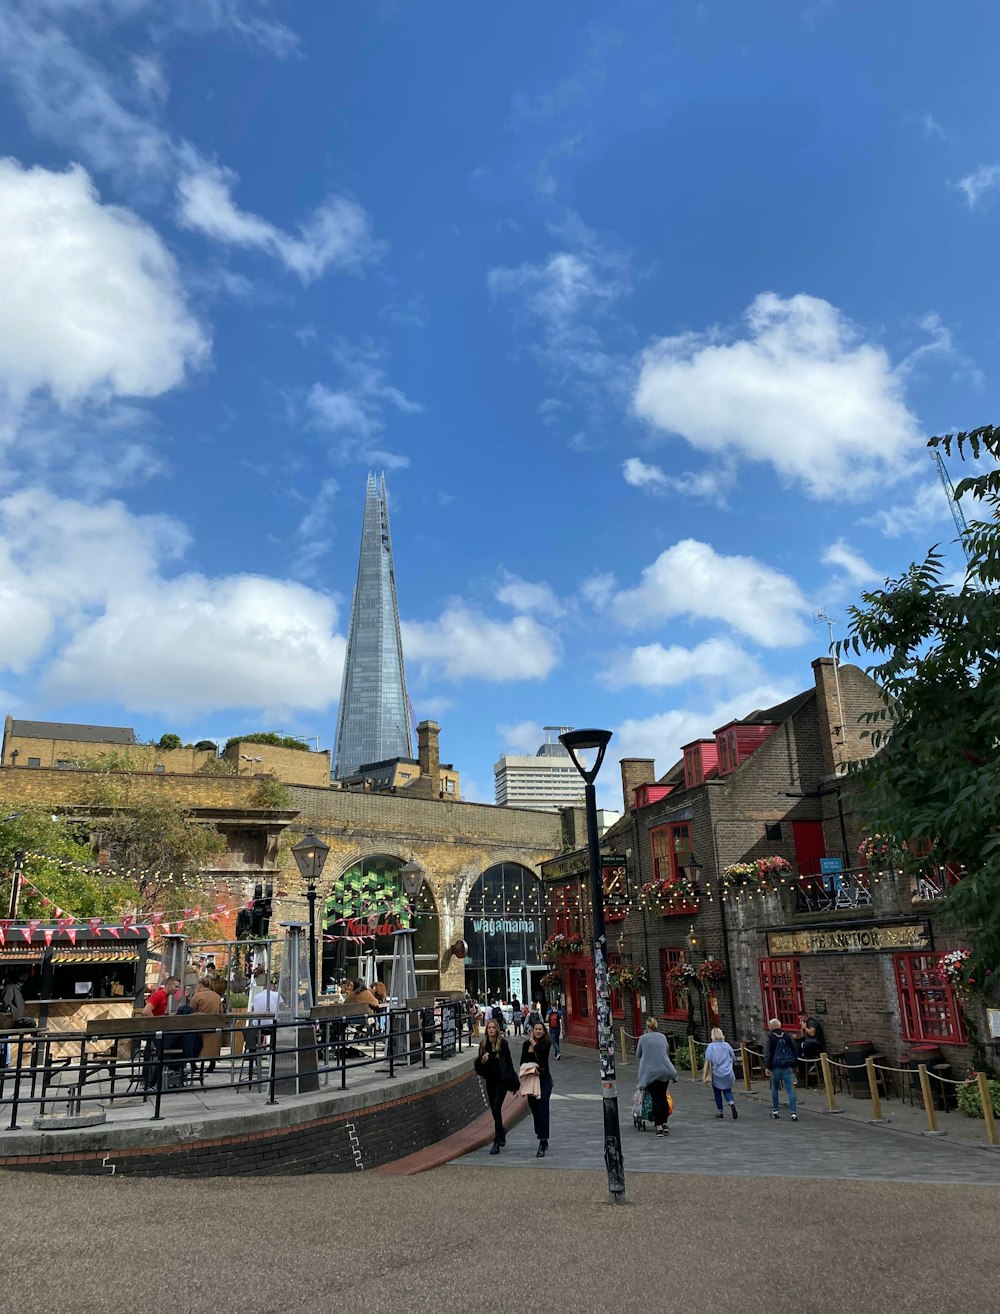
(465, 644)
(979, 183)
(653, 666)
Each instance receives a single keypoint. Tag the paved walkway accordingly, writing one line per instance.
(817, 1146)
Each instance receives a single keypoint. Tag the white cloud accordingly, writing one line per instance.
(354, 413)
(928, 507)
(91, 302)
(598, 589)
(338, 236)
(193, 645)
(800, 391)
(88, 606)
(979, 183)
(844, 558)
(691, 579)
(654, 667)
(566, 294)
(523, 595)
(521, 737)
(640, 475)
(465, 644)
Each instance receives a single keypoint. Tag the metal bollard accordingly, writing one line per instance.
(984, 1095)
(873, 1089)
(622, 1050)
(745, 1060)
(831, 1103)
(925, 1088)
(692, 1054)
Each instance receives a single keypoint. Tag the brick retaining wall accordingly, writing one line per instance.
(342, 1142)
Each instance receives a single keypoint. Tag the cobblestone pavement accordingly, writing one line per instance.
(819, 1145)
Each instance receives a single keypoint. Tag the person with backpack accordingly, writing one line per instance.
(516, 1015)
(779, 1064)
(553, 1020)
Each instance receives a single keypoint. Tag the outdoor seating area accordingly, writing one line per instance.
(147, 1061)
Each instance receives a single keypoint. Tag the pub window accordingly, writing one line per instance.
(34, 761)
(674, 1002)
(928, 1008)
(671, 849)
(781, 990)
(772, 832)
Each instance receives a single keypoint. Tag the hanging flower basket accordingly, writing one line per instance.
(953, 970)
(627, 977)
(880, 853)
(557, 945)
(683, 977)
(757, 877)
(712, 972)
(551, 981)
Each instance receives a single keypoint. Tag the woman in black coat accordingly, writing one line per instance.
(494, 1065)
(536, 1050)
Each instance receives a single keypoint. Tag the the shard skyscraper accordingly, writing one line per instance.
(373, 719)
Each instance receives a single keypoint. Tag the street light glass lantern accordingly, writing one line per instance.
(576, 742)
(412, 877)
(310, 856)
(692, 869)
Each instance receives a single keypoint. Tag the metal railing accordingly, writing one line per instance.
(46, 1072)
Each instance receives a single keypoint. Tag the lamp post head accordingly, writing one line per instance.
(693, 869)
(580, 741)
(310, 856)
(692, 937)
(412, 877)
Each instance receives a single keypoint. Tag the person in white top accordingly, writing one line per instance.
(266, 1001)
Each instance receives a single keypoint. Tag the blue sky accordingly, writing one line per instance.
(645, 310)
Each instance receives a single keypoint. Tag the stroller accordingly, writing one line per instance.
(642, 1108)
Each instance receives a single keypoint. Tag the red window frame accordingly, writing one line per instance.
(674, 1003)
(781, 990)
(677, 837)
(928, 1008)
(564, 903)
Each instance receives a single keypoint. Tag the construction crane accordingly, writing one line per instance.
(957, 514)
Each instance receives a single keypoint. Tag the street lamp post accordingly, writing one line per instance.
(310, 855)
(575, 742)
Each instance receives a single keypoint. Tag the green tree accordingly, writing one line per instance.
(150, 839)
(935, 785)
(267, 737)
(169, 741)
(58, 869)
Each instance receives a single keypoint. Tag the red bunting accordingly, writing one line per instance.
(113, 930)
(33, 926)
(95, 924)
(64, 922)
(25, 932)
(72, 935)
(47, 935)
(127, 921)
(164, 926)
(3, 936)
(157, 918)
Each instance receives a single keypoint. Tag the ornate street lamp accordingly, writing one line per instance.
(412, 877)
(576, 742)
(310, 856)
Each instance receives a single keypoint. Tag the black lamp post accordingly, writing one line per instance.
(310, 855)
(575, 742)
(412, 877)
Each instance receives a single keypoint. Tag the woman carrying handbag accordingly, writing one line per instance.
(535, 1055)
(495, 1066)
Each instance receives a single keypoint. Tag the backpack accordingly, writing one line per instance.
(784, 1055)
(553, 1020)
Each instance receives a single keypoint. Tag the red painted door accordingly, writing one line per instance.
(581, 1015)
(809, 846)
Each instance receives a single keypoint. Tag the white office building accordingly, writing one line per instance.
(548, 780)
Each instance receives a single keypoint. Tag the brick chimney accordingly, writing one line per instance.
(429, 753)
(831, 729)
(636, 771)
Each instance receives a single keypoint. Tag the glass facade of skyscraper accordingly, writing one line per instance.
(373, 719)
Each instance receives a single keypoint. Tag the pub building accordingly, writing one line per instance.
(69, 985)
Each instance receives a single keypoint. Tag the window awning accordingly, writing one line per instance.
(95, 956)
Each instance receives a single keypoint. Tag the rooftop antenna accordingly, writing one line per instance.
(823, 618)
(957, 514)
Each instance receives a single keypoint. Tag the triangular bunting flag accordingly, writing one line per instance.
(127, 921)
(157, 918)
(95, 924)
(72, 935)
(47, 935)
(25, 932)
(164, 926)
(113, 930)
(3, 936)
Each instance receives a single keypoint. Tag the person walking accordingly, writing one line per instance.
(718, 1069)
(779, 1065)
(554, 1019)
(495, 1066)
(656, 1072)
(536, 1049)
